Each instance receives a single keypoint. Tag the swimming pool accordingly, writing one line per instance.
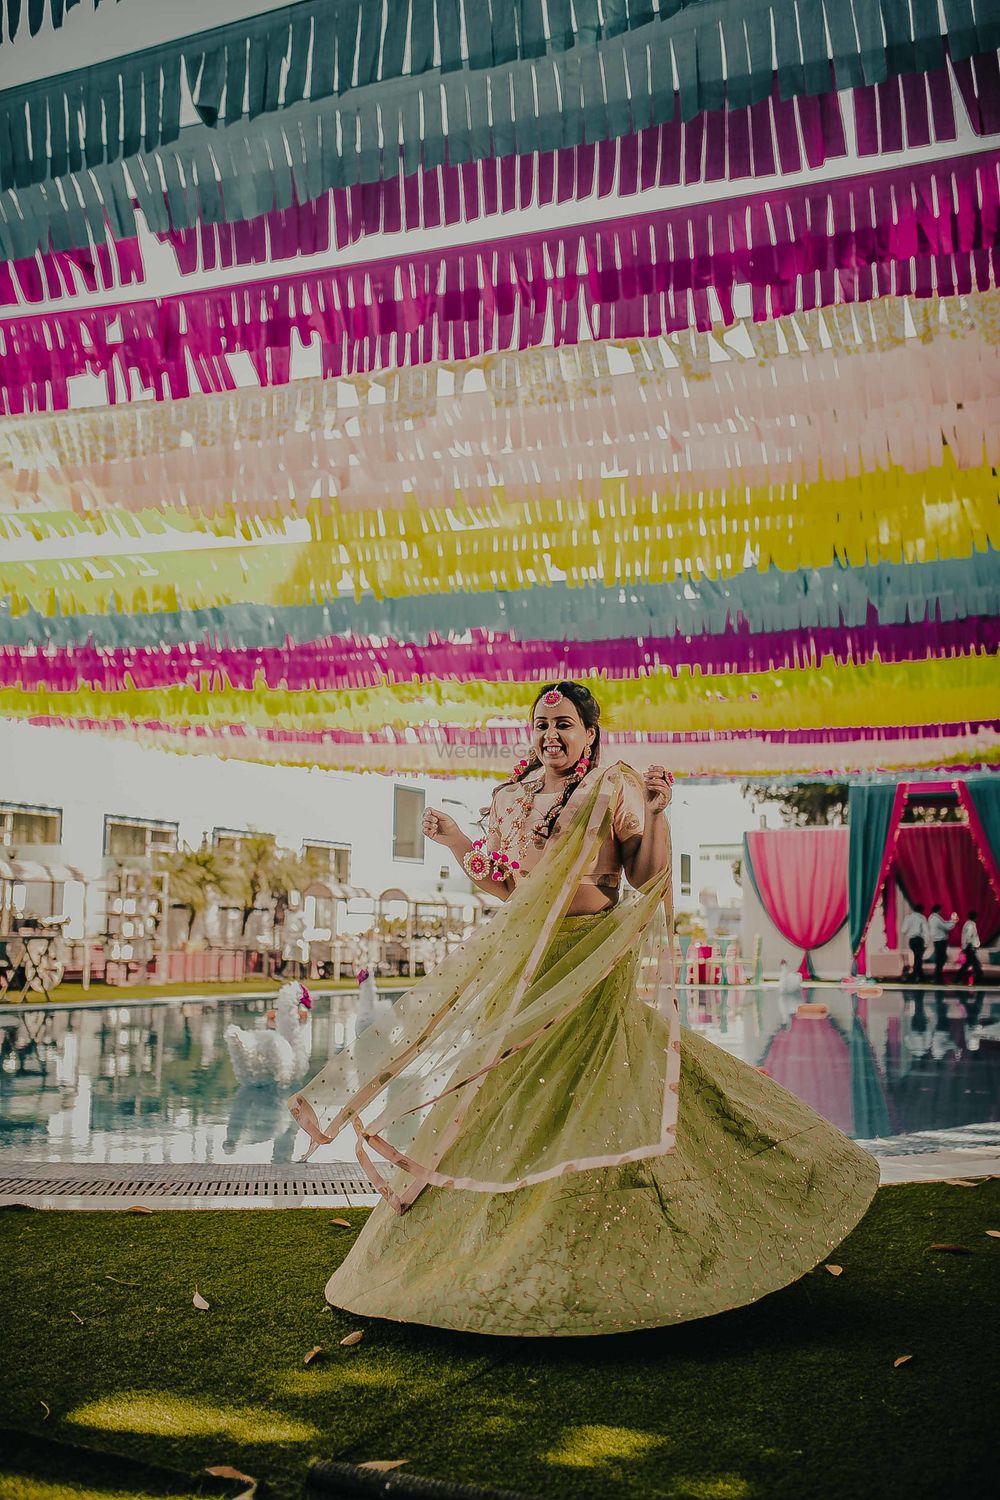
(152, 1083)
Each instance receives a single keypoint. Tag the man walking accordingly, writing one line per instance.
(916, 932)
(970, 949)
(938, 928)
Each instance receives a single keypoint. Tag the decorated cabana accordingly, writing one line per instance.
(957, 864)
(820, 888)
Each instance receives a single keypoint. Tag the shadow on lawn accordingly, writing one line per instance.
(795, 1396)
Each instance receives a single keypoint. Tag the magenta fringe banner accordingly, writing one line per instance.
(60, 273)
(919, 230)
(349, 662)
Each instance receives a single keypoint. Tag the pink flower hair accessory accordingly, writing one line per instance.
(551, 697)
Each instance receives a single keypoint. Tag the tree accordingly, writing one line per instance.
(806, 804)
(197, 877)
(263, 869)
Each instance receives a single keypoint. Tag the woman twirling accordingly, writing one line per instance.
(556, 1156)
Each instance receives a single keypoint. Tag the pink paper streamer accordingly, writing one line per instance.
(825, 413)
(347, 662)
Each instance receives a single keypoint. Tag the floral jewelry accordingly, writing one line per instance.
(495, 866)
(551, 697)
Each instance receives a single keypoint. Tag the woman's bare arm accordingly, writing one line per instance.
(442, 829)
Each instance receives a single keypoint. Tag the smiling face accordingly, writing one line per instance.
(559, 736)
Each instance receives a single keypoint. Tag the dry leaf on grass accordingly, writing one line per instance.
(307, 1359)
(384, 1464)
(953, 1249)
(199, 1301)
(120, 1282)
(904, 1359)
(960, 1182)
(76, 1315)
(834, 1270)
(226, 1471)
(994, 1234)
(137, 1208)
(48, 1409)
(352, 1338)
(341, 1223)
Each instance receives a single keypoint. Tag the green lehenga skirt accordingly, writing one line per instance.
(758, 1190)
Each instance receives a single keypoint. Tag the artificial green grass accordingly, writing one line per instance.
(121, 994)
(793, 1397)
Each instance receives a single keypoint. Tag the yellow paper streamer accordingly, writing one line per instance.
(626, 536)
(940, 691)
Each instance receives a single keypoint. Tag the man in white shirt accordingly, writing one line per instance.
(970, 949)
(916, 932)
(938, 928)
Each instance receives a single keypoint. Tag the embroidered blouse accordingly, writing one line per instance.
(510, 822)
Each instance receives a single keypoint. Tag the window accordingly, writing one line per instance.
(228, 840)
(333, 859)
(685, 874)
(22, 825)
(407, 817)
(138, 838)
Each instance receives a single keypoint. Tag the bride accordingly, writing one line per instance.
(555, 1155)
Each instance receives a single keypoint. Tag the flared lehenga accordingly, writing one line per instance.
(757, 1190)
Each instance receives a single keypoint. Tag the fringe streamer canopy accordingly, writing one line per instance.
(921, 230)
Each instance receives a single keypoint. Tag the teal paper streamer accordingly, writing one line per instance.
(350, 55)
(767, 601)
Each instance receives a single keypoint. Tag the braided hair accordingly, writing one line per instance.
(589, 710)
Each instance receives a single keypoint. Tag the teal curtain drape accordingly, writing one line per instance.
(869, 813)
(985, 794)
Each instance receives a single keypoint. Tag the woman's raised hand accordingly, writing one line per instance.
(439, 827)
(658, 784)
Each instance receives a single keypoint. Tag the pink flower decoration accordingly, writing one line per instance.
(361, 975)
(552, 696)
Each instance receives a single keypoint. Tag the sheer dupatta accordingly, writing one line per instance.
(407, 1083)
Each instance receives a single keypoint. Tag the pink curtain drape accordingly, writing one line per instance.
(942, 863)
(800, 875)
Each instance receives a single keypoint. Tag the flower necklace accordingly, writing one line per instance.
(497, 864)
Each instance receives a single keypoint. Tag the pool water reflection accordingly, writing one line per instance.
(150, 1083)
